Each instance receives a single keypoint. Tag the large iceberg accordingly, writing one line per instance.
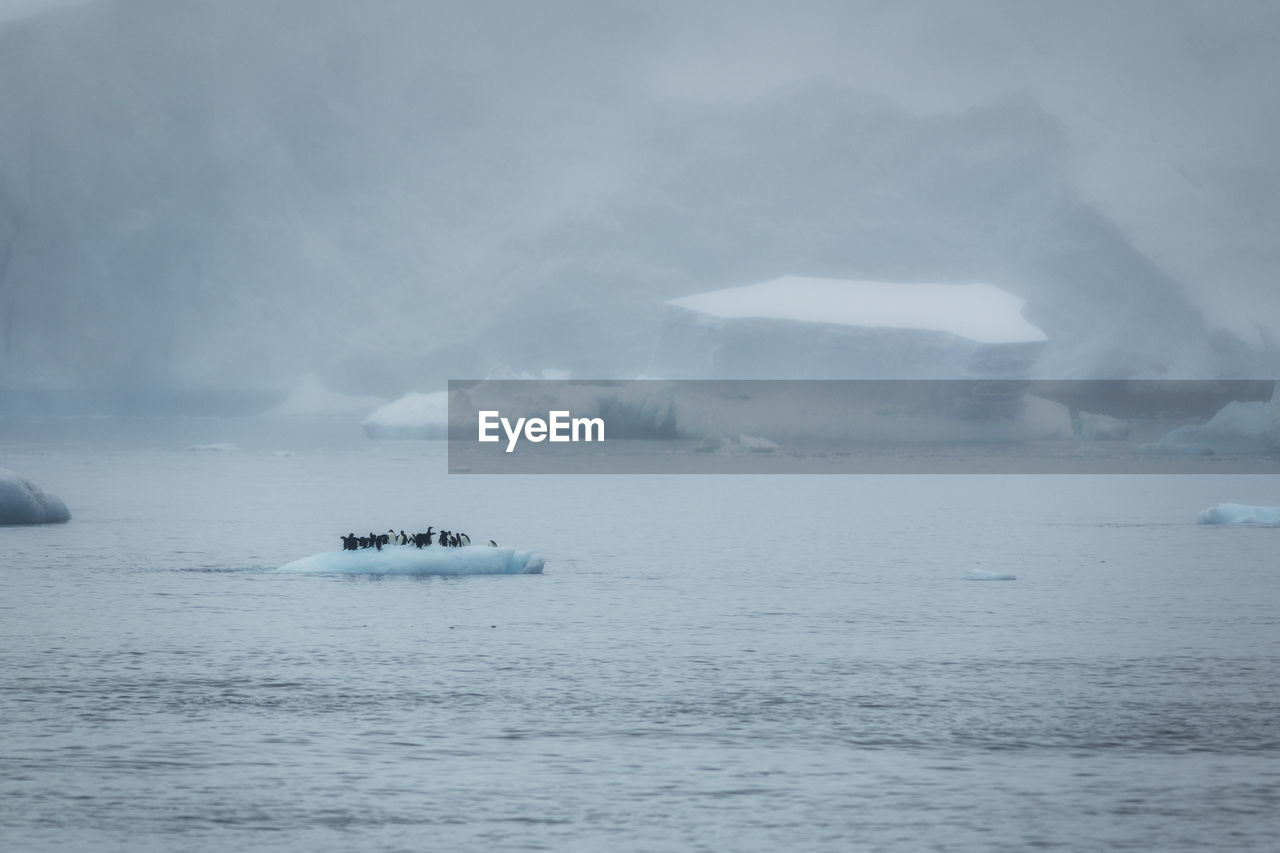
(1240, 514)
(405, 560)
(415, 415)
(797, 327)
(1239, 427)
(23, 502)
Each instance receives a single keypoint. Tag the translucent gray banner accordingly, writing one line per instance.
(863, 427)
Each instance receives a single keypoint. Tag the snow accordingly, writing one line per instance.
(23, 502)
(1239, 427)
(979, 312)
(415, 415)
(1240, 514)
(408, 560)
(312, 399)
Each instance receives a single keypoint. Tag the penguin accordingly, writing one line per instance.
(349, 542)
(493, 544)
(464, 539)
(404, 540)
(362, 541)
(376, 540)
(444, 537)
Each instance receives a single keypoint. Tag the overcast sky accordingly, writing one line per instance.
(1171, 104)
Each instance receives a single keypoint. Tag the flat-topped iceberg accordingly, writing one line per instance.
(798, 327)
(979, 312)
(1240, 514)
(406, 560)
(23, 502)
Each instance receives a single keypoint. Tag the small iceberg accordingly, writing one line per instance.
(1094, 427)
(1240, 514)
(311, 399)
(23, 502)
(407, 560)
(984, 575)
(415, 415)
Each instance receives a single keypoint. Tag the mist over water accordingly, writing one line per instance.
(221, 197)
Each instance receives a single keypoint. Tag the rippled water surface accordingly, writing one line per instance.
(709, 663)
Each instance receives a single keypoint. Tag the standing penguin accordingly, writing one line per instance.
(444, 537)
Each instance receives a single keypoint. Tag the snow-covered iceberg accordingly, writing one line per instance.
(312, 399)
(23, 502)
(406, 560)
(1240, 514)
(1239, 427)
(415, 415)
(796, 327)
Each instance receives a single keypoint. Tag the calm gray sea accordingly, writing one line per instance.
(709, 663)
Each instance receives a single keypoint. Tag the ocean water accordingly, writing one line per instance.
(708, 663)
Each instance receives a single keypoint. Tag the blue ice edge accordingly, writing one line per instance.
(406, 560)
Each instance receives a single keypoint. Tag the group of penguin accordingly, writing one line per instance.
(445, 538)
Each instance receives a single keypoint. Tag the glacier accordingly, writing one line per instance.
(24, 502)
(1240, 514)
(406, 560)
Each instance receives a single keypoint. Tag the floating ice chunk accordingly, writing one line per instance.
(312, 399)
(415, 415)
(1239, 427)
(735, 446)
(23, 502)
(984, 575)
(1095, 427)
(1240, 514)
(434, 560)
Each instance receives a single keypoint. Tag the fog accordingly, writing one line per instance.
(225, 196)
